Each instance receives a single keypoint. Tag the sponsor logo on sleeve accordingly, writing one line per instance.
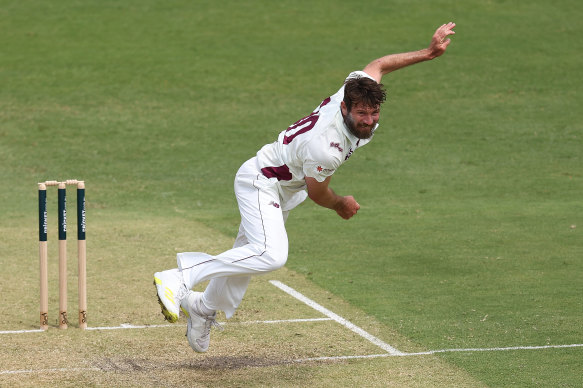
(337, 146)
(325, 170)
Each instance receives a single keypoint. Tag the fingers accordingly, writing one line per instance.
(447, 26)
(353, 209)
(440, 39)
(445, 29)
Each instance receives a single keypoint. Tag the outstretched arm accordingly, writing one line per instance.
(392, 62)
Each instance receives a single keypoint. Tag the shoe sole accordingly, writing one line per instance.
(170, 317)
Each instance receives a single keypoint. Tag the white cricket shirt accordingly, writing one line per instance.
(314, 146)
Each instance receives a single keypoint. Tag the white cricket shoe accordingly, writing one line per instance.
(171, 290)
(198, 330)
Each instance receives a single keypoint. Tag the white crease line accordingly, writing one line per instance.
(280, 321)
(21, 331)
(383, 345)
(16, 372)
(495, 349)
(391, 350)
(331, 358)
(122, 326)
(130, 326)
(338, 358)
(431, 352)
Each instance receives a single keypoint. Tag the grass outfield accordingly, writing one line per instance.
(469, 234)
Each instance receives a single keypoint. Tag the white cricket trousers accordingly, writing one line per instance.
(261, 245)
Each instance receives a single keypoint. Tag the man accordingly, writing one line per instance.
(269, 185)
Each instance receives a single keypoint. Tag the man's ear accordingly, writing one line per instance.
(343, 109)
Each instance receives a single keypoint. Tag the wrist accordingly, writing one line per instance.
(428, 54)
(339, 202)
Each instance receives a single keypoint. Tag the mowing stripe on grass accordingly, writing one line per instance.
(383, 345)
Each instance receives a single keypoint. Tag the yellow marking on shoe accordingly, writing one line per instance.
(157, 281)
(170, 317)
(169, 292)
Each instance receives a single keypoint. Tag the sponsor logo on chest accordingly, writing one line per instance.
(350, 151)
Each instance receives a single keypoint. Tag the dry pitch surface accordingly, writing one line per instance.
(273, 340)
(265, 345)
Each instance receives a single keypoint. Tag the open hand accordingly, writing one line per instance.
(440, 40)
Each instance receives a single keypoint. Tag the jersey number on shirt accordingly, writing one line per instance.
(303, 125)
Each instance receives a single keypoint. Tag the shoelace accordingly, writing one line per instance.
(181, 293)
(183, 290)
(210, 322)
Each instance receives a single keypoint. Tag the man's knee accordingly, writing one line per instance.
(276, 257)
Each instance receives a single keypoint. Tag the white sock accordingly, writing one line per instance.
(203, 309)
(198, 306)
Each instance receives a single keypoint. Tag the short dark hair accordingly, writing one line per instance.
(365, 91)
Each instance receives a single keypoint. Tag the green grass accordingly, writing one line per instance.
(470, 229)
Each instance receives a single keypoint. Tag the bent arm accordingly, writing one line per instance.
(323, 195)
(384, 65)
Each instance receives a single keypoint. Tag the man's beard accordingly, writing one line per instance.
(362, 132)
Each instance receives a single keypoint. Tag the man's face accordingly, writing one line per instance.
(361, 119)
